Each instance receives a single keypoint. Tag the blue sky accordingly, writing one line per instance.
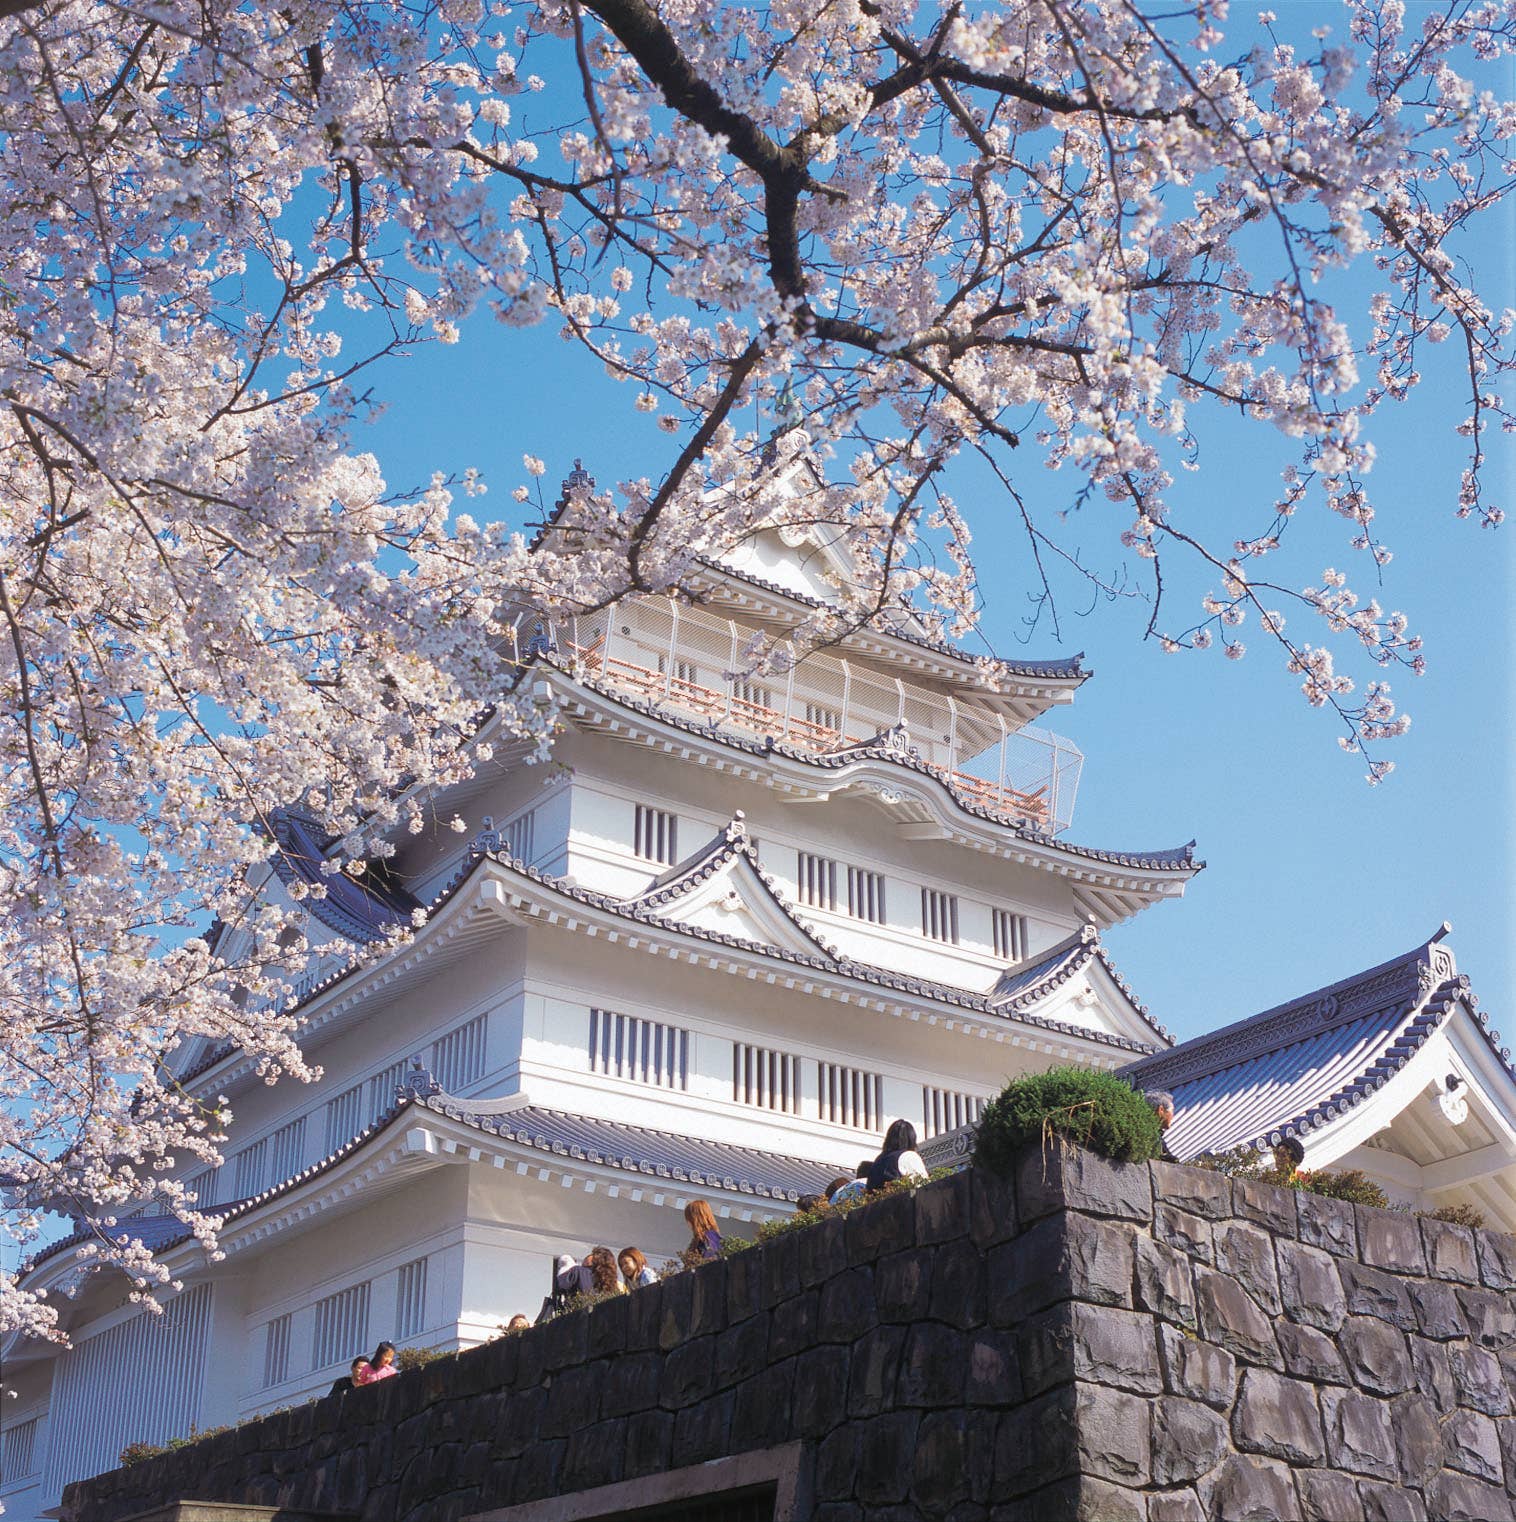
(1312, 874)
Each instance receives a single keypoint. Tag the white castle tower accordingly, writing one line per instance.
(736, 926)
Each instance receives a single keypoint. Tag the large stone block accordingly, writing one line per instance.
(792, 1324)
(1080, 1498)
(1246, 1488)
(1327, 1223)
(903, 1284)
(1450, 1251)
(1184, 1232)
(741, 1351)
(1114, 1347)
(1491, 1317)
(1309, 1287)
(688, 1374)
(1389, 1240)
(1045, 1350)
(704, 1432)
(1460, 1498)
(1360, 1436)
(1279, 1417)
(1310, 1354)
(1198, 1370)
(1496, 1251)
(886, 1458)
(935, 1366)
(761, 1411)
(1326, 1496)
(1035, 1445)
(1164, 1282)
(837, 1463)
(1268, 1205)
(1229, 1316)
(1113, 1433)
(1389, 1503)
(1069, 1178)
(993, 1216)
(1097, 1260)
(952, 1458)
(1471, 1444)
(879, 1227)
(1175, 1506)
(943, 1209)
(1418, 1438)
(1030, 1272)
(875, 1367)
(649, 1443)
(821, 1251)
(1196, 1190)
(1479, 1380)
(821, 1377)
(1188, 1440)
(958, 1284)
(1432, 1372)
(1371, 1292)
(994, 1373)
(848, 1307)
(1376, 1355)
(1438, 1313)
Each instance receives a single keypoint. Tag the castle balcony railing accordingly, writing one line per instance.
(731, 677)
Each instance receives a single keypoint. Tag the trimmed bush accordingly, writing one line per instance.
(1350, 1184)
(1460, 1215)
(1096, 1110)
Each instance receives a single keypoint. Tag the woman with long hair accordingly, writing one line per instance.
(898, 1159)
(605, 1277)
(633, 1265)
(705, 1239)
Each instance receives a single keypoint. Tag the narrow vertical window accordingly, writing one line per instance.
(410, 1299)
(939, 915)
(276, 1351)
(1010, 934)
(946, 1110)
(656, 835)
(865, 895)
(816, 879)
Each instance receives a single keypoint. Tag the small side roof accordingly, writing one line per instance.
(1303, 1065)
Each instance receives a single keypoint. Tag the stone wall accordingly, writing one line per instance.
(1088, 1340)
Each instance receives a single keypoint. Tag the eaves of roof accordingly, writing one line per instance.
(839, 966)
(1302, 1065)
(638, 1150)
(1174, 859)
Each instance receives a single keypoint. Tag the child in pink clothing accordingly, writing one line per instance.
(380, 1366)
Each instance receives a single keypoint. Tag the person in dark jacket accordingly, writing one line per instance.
(899, 1158)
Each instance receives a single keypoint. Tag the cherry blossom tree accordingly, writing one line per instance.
(1064, 233)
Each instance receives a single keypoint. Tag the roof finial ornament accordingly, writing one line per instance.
(577, 482)
(736, 831)
(1443, 932)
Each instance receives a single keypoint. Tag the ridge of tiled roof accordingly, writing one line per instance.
(1299, 1066)
(1027, 982)
(1397, 983)
(1059, 667)
(1175, 858)
(727, 845)
(864, 972)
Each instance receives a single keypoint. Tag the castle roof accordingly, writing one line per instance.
(1304, 1065)
(363, 910)
(892, 748)
(639, 1151)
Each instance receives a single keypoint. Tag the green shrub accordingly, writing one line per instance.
(417, 1358)
(1350, 1184)
(1459, 1215)
(1096, 1110)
